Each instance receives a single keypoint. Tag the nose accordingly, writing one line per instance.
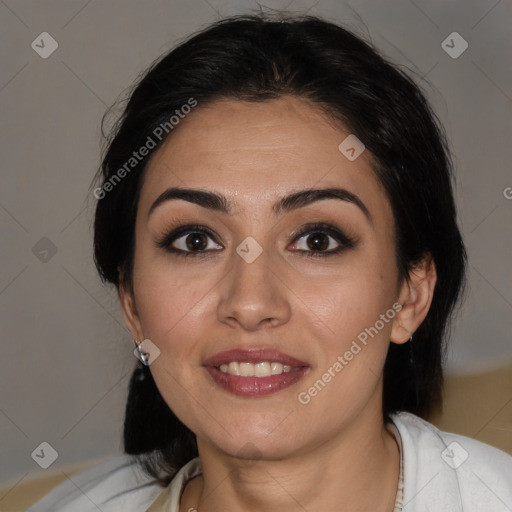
(253, 296)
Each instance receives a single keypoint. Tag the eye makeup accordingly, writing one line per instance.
(199, 237)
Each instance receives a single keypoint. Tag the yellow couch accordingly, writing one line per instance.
(478, 406)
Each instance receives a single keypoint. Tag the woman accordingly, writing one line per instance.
(276, 213)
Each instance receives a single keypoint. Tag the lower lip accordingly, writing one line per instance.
(255, 386)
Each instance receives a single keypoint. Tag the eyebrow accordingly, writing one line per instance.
(295, 200)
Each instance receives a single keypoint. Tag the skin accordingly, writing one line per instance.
(274, 453)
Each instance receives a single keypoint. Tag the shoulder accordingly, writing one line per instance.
(445, 471)
(116, 483)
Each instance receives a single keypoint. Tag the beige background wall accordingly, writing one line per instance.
(66, 355)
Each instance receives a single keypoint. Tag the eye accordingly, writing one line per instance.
(189, 241)
(315, 240)
(322, 239)
(195, 242)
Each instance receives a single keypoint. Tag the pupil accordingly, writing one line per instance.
(195, 241)
(318, 241)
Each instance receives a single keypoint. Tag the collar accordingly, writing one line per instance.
(428, 477)
(169, 499)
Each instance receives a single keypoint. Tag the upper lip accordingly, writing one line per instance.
(253, 356)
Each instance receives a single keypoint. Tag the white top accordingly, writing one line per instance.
(441, 472)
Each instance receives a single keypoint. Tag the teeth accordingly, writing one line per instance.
(277, 368)
(262, 369)
(234, 368)
(246, 369)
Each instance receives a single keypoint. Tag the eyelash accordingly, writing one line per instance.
(345, 241)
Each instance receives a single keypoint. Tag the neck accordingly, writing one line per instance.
(358, 469)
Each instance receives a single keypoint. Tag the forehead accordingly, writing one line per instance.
(258, 151)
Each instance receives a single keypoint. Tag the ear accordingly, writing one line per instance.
(415, 297)
(131, 316)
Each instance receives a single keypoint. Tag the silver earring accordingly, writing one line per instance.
(144, 356)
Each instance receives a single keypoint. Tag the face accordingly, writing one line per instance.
(286, 288)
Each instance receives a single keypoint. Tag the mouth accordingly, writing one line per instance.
(255, 372)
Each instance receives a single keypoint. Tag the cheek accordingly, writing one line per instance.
(352, 336)
(172, 302)
(351, 350)
(171, 322)
(345, 303)
(173, 307)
